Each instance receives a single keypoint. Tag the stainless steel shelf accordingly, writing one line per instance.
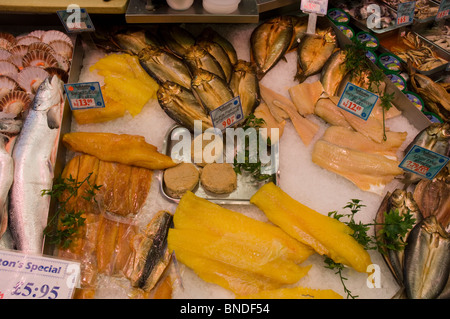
(247, 12)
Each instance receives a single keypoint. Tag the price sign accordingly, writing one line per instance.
(85, 95)
(423, 162)
(357, 101)
(314, 6)
(227, 114)
(25, 276)
(444, 10)
(75, 19)
(405, 12)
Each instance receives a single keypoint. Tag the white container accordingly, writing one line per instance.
(180, 4)
(220, 6)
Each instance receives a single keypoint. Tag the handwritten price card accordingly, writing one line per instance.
(227, 114)
(444, 9)
(405, 12)
(357, 101)
(86, 95)
(314, 6)
(25, 276)
(423, 162)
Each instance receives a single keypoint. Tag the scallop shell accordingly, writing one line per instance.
(37, 33)
(20, 49)
(16, 60)
(53, 35)
(31, 77)
(62, 48)
(39, 58)
(9, 69)
(5, 44)
(41, 46)
(4, 54)
(7, 84)
(27, 40)
(8, 37)
(14, 103)
(63, 75)
(63, 63)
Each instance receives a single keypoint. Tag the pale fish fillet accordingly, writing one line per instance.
(372, 127)
(327, 110)
(377, 111)
(305, 96)
(262, 111)
(305, 128)
(349, 138)
(369, 172)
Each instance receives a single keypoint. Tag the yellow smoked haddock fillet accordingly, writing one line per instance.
(235, 253)
(238, 281)
(197, 213)
(326, 235)
(349, 138)
(369, 172)
(121, 148)
(294, 293)
(111, 111)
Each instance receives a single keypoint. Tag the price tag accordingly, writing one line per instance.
(357, 101)
(85, 95)
(227, 114)
(444, 10)
(25, 276)
(405, 12)
(314, 6)
(75, 19)
(423, 162)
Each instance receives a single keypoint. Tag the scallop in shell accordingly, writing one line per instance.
(37, 33)
(41, 46)
(20, 49)
(39, 58)
(9, 69)
(63, 63)
(53, 35)
(30, 78)
(62, 48)
(16, 60)
(7, 84)
(4, 54)
(62, 74)
(7, 40)
(27, 40)
(14, 103)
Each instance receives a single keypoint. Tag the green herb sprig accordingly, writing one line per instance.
(394, 228)
(253, 168)
(65, 222)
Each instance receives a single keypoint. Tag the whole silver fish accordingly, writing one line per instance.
(427, 260)
(6, 180)
(33, 169)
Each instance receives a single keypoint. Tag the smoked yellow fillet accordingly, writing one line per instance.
(263, 112)
(197, 213)
(70, 171)
(327, 110)
(111, 111)
(372, 127)
(106, 244)
(87, 172)
(122, 148)
(305, 96)
(294, 293)
(124, 188)
(305, 128)
(369, 172)
(349, 138)
(235, 253)
(113, 63)
(326, 235)
(238, 281)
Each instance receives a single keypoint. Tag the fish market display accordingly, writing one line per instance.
(324, 234)
(37, 140)
(127, 88)
(410, 47)
(423, 8)
(435, 96)
(439, 35)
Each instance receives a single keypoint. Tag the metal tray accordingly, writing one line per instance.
(246, 186)
(439, 51)
(417, 20)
